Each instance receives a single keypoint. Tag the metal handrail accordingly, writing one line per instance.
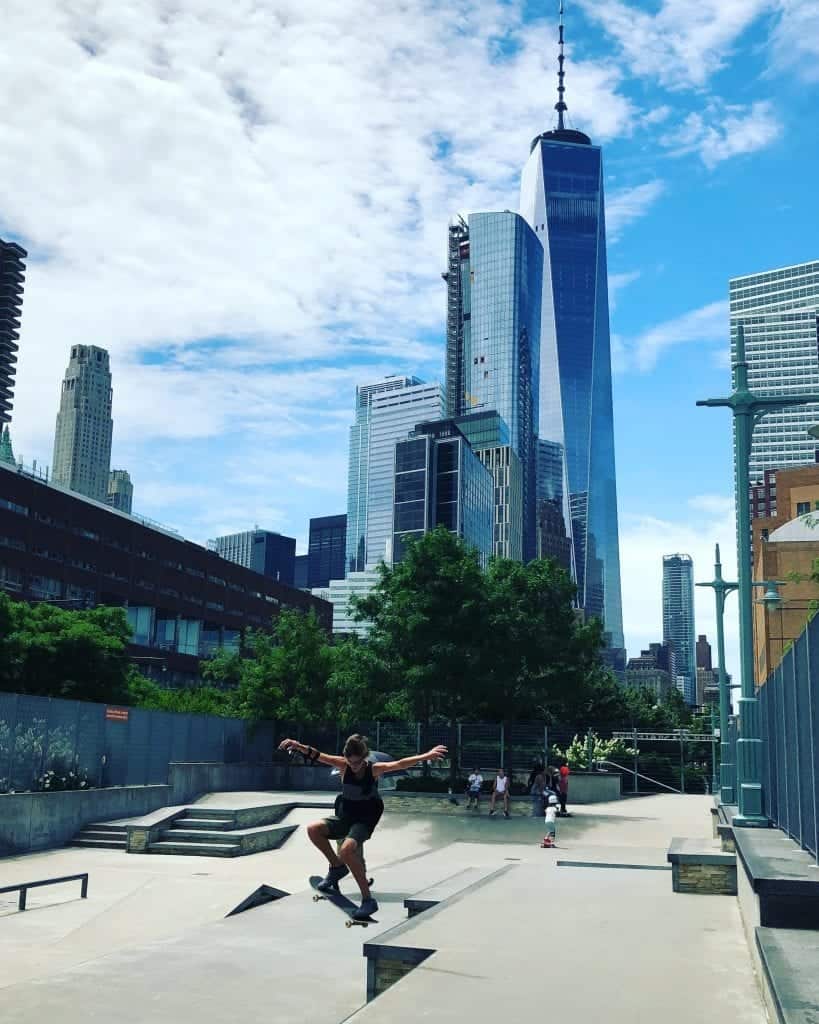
(631, 771)
(23, 887)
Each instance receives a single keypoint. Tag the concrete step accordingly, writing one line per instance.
(208, 812)
(101, 826)
(206, 824)
(195, 849)
(184, 835)
(98, 844)
(109, 837)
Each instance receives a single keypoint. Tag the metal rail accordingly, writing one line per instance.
(631, 771)
(23, 887)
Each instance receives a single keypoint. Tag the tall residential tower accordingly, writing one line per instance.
(82, 441)
(678, 621)
(12, 276)
(562, 199)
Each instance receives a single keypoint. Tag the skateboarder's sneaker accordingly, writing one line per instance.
(367, 909)
(506, 814)
(333, 877)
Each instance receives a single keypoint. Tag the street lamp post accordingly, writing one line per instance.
(727, 769)
(747, 409)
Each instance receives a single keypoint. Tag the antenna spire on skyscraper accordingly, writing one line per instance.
(560, 106)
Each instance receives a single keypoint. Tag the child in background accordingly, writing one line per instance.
(550, 839)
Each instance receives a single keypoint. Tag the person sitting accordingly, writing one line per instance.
(500, 789)
(473, 789)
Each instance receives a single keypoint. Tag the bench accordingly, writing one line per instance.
(699, 868)
(23, 887)
(441, 891)
(790, 979)
(778, 881)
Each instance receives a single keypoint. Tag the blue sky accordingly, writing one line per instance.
(247, 205)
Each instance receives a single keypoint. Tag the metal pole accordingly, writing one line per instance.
(636, 757)
(727, 768)
(713, 750)
(502, 745)
(682, 763)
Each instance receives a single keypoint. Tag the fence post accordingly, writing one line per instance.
(545, 744)
(460, 747)
(502, 746)
(791, 656)
(682, 762)
(378, 735)
(812, 725)
(418, 737)
(636, 757)
(589, 750)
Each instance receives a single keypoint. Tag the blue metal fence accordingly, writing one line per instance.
(790, 729)
(105, 746)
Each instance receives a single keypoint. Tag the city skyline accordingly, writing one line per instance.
(243, 360)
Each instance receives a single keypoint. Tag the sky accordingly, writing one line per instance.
(247, 205)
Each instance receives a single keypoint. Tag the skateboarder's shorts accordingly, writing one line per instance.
(341, 828)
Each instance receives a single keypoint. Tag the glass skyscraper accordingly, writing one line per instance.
(562, 199)
(357, 473)
(678, 622)
(440, 481)
(393, 415)
(780, 313)
(493, 335)
(325, 552)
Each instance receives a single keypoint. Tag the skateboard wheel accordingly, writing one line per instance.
(348, 924)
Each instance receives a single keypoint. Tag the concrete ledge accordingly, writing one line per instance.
(790, 978)
(429, 898)
(698, 868)
(779, 881)
(391, 956)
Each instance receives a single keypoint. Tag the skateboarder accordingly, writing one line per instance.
(361, 808)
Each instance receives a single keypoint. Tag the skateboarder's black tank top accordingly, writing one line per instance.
(359, 797)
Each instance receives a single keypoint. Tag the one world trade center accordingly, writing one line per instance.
(562, 199)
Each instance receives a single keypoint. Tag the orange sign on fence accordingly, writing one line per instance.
(116, 714)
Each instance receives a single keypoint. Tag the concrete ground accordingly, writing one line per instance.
(151, 942)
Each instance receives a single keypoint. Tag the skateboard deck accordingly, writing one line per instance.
(338, 899)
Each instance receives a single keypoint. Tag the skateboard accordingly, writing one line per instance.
(338, 899)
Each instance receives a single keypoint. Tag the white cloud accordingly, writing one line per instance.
(682, 43)
(707, 324)
(795, 39)
(723, 132)
(273, 176)
(629, 204)
(694, 529)
(619, 281)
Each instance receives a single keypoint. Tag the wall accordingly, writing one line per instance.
(38, 821)
(186, 782)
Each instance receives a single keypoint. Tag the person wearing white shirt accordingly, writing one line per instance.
(473, 789)
(500, 789)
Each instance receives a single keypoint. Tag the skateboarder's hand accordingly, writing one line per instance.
(289, 744)
(436, 754)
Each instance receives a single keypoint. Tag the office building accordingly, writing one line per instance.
(120, 491)
(678, 622)
(325, 552)
(562, 199)
(653, 671)
(82, 441)
(393, 414)
(12, 278)
(493, 335)
(301, 571)
(552, 539)
(270, 554)
(358, 467)
(703, 653)
(183, 602)
(440, 481)
(339, 592)
(488, 437)
(707, 687)
(779, 310)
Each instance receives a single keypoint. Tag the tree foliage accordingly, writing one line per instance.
(55, 652)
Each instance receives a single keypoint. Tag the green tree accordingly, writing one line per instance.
(286, 675)
(429, 619)
(55, 652)
(198, 700)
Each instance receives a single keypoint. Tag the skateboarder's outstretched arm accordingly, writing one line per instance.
(335, 760)
(383, 767)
